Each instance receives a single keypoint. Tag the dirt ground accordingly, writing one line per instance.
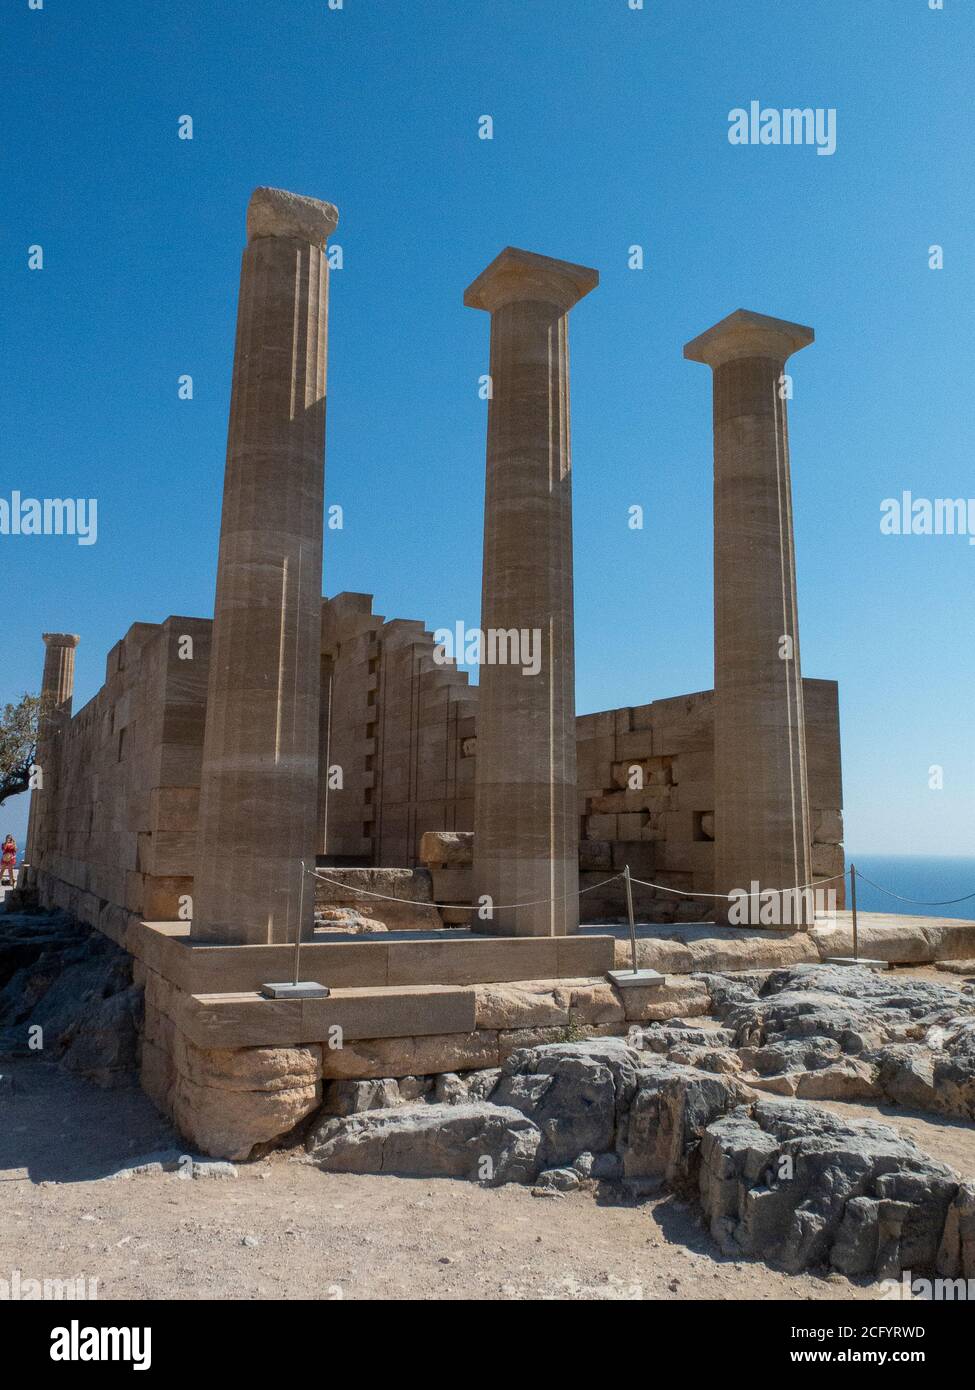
(282, 1229)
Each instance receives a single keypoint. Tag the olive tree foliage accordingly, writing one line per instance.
(18, 744)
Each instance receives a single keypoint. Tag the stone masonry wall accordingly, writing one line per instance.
(399, 734)
(128, 796)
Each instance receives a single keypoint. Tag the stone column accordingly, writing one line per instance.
(761, 794)
(57, 691)
(526, 827)
(259, 784)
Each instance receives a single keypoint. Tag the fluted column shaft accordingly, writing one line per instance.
(761, 793)
(259, 786)
(57, 691)
(526, 828)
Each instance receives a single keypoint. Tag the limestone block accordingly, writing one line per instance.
(633, 746)
(630, 826)
(447, 849)
(227, 1101)
(828, 827)
(675, 998)
(422, 1056)
(827, 860)
(161, 897)
(174, 808)
(601, 827)
(534, 1004)
(454, 885)
(595, 855)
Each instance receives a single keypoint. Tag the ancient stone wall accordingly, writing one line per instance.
(398, 739)
(125, 829)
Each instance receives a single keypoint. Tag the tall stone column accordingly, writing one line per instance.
(259, 785)
(57, 692)
(526, 827)
(761, 793)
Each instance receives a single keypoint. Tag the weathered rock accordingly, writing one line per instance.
(956, 967)
(449, 1089)
(105, 1049)
(574, 1092)
(414, 1087)
(956, 1255)
(669, 1113)
(561, 1179)
(704, 948)
(795, 1055)
(419, 1056)
(352, 1097)
(547, 1004)
(447, 849)
(937, 1075)
(348, 921)
(229, 1101)
(663, 1039)
(851, 1078)
(482, 1084)
(800, 1187)
(678, 996)
(476, 1141)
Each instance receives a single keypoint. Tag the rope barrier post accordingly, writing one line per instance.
(301, 918)
(633, 976)
(296, 988)
(853, 906)
(855, 958)
(629, 912)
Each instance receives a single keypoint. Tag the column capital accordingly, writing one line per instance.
(275, 212)
(60, 639)
(517, 275)
(746, 334)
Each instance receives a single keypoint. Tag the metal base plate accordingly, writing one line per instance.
(642, 978)
(304, 989)
(861, 960)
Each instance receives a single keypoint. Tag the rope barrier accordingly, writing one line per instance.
(918, 902)
(465, 907)
(539, 902)
(816, 883)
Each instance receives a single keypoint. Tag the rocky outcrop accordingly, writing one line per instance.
(66, 993)
(839, 1033)
(799, 1187)
(484, 1143)
(574, 1093)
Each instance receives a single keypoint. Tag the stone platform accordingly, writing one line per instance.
(701, 946)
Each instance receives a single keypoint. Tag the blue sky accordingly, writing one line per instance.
(610, 129)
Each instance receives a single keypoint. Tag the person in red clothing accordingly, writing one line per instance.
(8, 861)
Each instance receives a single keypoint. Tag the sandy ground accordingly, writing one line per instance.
(282, 1229)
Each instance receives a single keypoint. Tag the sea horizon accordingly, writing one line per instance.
(928, 878)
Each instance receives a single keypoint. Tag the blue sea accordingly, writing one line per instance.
(931, 878)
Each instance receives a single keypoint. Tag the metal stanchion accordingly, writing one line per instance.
(855, 958)
(633, 976)
(853, 908)
(296, 988)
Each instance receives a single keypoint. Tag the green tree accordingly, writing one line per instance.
(18, 745)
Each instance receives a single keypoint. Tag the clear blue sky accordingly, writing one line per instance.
(610, 129)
